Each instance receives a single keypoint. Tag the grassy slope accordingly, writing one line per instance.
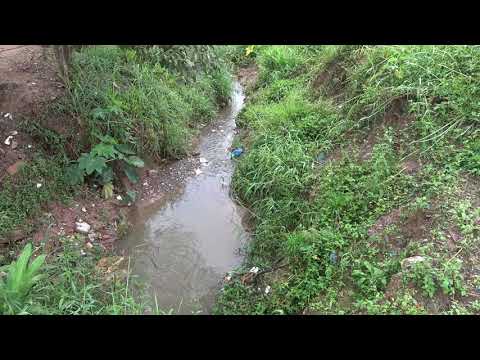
(357, 158)
(140, 103)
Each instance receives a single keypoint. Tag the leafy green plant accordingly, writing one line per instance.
(21, 276)
(99, 164)
(448, 277)
(369, 278)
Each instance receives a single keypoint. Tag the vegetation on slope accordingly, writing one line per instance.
(121, 103)
(359, 157)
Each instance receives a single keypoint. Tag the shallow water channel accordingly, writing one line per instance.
(186, 243)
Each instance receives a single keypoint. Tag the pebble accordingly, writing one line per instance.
(406, 263)
(82, 227)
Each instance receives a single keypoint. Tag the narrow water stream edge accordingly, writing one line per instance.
(183, 245)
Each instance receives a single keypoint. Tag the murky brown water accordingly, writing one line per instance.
(184, 245)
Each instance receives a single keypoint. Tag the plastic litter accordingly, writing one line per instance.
(333, 257)
(8, 140)
(254, 270)
(236, 152)
(321, 158)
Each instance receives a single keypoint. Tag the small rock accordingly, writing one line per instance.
(214, 130)
(267, 290)
(39, 185)
(84, 210)
(198, 172)
(119, 198)
(6, 115)
(29, 146)
(13, 133)
(89, 245)
(408, 262)
(203, 160)
(82, 227)
(83, 253)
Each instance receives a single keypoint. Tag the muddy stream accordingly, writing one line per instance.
(186, 242)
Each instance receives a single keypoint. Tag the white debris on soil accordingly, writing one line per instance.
(203, 160)
(84, 210)
(14, 132)
(198, 172)
(119, 198)
(89, 245)
(82, 227)
(39, 185)
(8, 140)
(267, 290)
(228, 277)
(91, 237)
(83, 253)
(408, 262)
(254, 270)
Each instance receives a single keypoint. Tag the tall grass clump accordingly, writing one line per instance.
(141, 101)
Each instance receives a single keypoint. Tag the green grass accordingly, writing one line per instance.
(139, 100)
(314, 200)
(21, 199)
(113, 91)
(68, 284)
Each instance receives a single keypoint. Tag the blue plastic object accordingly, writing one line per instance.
(236, 152)
(333, 257)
